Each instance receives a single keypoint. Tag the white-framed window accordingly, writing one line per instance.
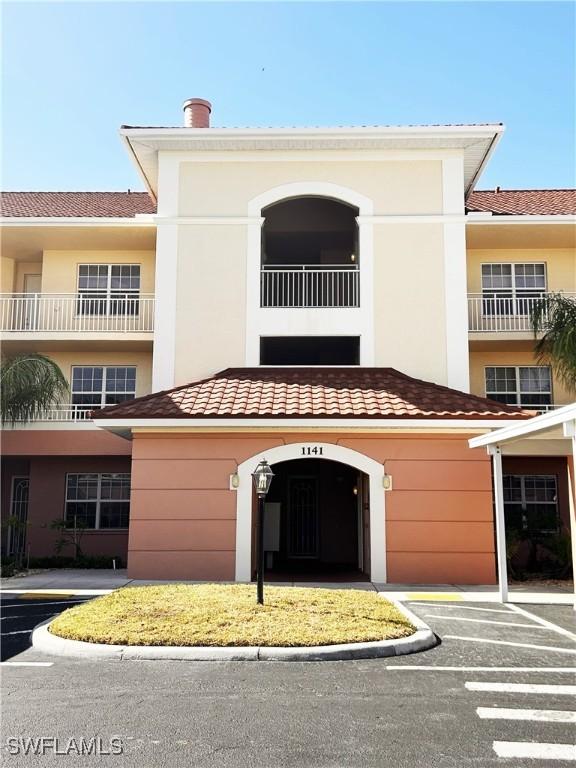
(108, 289)
(512, 289)
(528, 386)
(531, 503)
(96, 386)
(97, 500)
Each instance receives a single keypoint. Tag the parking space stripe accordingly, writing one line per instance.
(543, 622)
(536, 715)
(26, 663)
(570, 651)
(535, 750)
(464, 608)
(17, 632)
(558, 690)
(432, 668)
(43, 603)
(481, 621)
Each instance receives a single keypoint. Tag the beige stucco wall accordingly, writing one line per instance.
(6, 275)
(395, 186)
(212, 259)
(142, 361)
(560, 265)
(210, 300)
(512, 354)
(60, 268)
(409, 311)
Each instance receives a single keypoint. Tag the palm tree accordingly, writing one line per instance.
(554, 316)
(29, 385)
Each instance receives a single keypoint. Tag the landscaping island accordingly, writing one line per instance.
(227, 615)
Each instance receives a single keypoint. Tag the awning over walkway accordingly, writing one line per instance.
(552, 433)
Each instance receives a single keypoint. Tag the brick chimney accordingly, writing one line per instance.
(197, 113)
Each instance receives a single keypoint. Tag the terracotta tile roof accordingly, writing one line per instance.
(381, 393)
(63, 204)
(549, 202)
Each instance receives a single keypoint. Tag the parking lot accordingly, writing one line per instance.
(499, 689)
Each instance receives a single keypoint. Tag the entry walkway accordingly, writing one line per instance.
(78, 582)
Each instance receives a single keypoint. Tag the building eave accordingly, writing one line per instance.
(143, 144)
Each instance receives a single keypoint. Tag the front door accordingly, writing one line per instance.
(32, 288)
(303, 539)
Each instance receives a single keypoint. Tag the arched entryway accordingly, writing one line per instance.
(311, 476)
(317, 524)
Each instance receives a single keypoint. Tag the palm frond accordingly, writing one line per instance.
(554, 317)
(30, 384)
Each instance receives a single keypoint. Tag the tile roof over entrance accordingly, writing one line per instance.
(76, 204)
(337, 393)
(518, 202)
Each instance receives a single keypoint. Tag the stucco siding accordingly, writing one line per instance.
(438, 514)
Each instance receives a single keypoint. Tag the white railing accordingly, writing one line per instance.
(501, 314)
(302, 285)
(66, 412)
(81, 313)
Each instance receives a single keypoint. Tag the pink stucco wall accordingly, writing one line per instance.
(439, 525)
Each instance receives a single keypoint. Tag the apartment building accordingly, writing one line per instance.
(341, 302)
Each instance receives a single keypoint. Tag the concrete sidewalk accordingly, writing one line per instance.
(96, 581)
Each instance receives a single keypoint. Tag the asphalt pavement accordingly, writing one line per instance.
(499, 690)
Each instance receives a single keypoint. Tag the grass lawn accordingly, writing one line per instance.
(227, 615)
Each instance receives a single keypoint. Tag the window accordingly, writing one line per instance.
(310, 350)
(99, 501)
(108, 289)
(531, 503)
(95, 386)
(512, 289)
(528, 386)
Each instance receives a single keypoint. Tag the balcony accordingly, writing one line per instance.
(62, 314)
(502, 314)
(317, 286)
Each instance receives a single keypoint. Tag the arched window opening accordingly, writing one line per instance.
(310, 254)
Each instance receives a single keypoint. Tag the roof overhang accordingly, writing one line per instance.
(126, 427)
(555, 424)
(476, 141)
(141, 220)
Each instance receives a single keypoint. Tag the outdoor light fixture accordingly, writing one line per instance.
(262, 478)
(352, 257)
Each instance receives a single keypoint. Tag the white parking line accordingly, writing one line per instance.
(461, 607)
(37, 605)
(482, 621)
(26, 663)
(534, 751)
(544, 622)
(536, 715)
(515, 645)
(558, 690)
(17, 632)
(432, 668)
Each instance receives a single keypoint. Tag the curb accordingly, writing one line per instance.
(421, 640)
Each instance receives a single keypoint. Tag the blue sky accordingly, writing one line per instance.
(74, 72)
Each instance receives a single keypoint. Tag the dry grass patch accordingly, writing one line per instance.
(227, 615)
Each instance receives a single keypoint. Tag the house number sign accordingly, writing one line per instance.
(312, 450)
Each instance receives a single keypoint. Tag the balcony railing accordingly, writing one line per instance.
(66, 412)
(502, 314)
(317, 285)
(78, 313)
